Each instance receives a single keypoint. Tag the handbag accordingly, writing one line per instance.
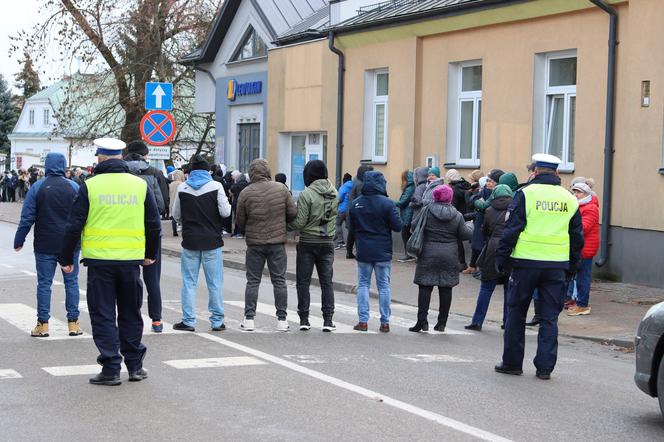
(416, 241)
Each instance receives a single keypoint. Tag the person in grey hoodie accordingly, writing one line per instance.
(420, 178)
(355, 192)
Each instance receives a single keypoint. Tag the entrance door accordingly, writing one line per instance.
(249, 142)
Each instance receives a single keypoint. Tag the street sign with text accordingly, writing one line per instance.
(159, 96)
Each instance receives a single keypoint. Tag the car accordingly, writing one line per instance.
(649, 348)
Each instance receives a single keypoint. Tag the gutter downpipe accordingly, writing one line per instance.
(609, 130)
(340, 107)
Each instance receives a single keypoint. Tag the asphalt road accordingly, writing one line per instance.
(269, 385)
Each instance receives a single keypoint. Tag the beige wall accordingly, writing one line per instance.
(417, 115)
(302, 96)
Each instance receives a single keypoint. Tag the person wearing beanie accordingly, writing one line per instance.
(434, 174)
(373, 218)
(589, 208)
(316, 221)
(355, 192)
(460, 202)
(438, 263)
(281, 178)
(493, 226)
(406, 211)
(421, 200)
(342, 213)
(508, 179)
(264, 210)
(200, 207)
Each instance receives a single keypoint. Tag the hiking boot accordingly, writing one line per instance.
(157, 326)
(578, 311)
(384, 327)
(304, 324)
(247, 324)
(102, 379)
(74, 328)
(183, 326)
(419, 326)
(361, 326)
(220, 327)
(282, 325)
(137, 376)
(328, 326)
(40, 330)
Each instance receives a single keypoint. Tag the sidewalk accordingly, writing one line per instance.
(616, 308)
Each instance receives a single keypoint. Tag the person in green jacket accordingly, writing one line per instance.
(509, 179)
(316, 218)
(406, 211)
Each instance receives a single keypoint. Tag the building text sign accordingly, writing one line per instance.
(236, 89)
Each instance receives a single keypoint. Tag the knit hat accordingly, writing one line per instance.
(197, 162)
(138, 147)
(495, 174)
(502, 190)
(435, 171)
(314, 170)
(475, 175)
(235, 174)
(510, 179)
(170, 169)
(443, 193)
(482, 181)
(280, 178)
(347, 177)
(452, 176)
(582, 187)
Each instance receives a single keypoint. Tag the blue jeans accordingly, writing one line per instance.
(213, 268)
(46, 265)
(583, 280)
(383, 272)
(483, 299)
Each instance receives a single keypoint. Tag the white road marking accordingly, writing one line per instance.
(24, 318)
(373, 395)
(231, 324)
(75, 370)
(9, 374)
(315, 321)
(431, 358)
(327, 359)
(236, 361)
(147, 325)
(28, 273)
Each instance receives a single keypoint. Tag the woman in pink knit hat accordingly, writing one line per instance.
(438, 263)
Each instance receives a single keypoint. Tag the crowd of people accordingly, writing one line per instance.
(527, 237)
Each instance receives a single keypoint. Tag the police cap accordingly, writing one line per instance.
(546, 161)
(109, 146)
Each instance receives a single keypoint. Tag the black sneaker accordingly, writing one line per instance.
(544, 375)
(102, 379)
(139, 375)
(535, 321)
(474, 327)
(504, 369)
(340, 246)
(328, 326)
(304, 324)
(222, 327)
(183, 326)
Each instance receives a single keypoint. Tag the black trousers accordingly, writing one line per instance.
(551, 287)
(424, 300)
(405, 236)
(151, 278)
(462, 253)
(320, 256)
(473, 257)
(108, 287)
(350, 241)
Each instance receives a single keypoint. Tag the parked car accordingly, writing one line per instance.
(649, 346)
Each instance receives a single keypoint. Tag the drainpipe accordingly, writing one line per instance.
(608, 130)
(340, 106)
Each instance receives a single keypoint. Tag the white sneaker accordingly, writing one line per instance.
(282, 325)
(247, 324)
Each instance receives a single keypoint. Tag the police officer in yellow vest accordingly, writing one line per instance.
(541, 245)
(116, 218)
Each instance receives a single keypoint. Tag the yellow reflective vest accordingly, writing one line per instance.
(549, 210)
(115, 228)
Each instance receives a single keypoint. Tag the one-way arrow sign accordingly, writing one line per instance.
(159, 96)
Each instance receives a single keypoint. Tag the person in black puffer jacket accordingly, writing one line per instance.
(355, 192)
(461, 189)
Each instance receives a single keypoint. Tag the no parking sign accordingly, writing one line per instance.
(158, 128)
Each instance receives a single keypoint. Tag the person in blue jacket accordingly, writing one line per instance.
(342, 214)
(373, 217)
(47, 206)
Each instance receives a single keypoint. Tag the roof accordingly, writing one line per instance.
(279, 17)
(395, 11)
(48, 92)
(314, 25)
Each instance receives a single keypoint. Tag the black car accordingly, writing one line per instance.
(649, 345)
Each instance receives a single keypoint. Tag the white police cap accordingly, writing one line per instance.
(547, 161)
(109, 146)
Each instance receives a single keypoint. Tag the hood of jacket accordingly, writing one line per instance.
(137, 166)
(443, 211)
(259, 171)
(362, 170)
(198, 178)
(324, 188)
(501, 202)
(409, 178)
(374, 184)
(510, 179)
(460, 184)
(547, 178)
(114, 165)
(421, 174)
(55, 164)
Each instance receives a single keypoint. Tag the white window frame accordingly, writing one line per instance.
(476, 98)
(31, 117)
(47, 115)
(235, 55)
(567, 93)
(372, 101)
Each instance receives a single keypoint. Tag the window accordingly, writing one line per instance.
(558, 107)
(376, 113)
(46, 116)
(252, 46)
(32, 117)
(464, 113)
